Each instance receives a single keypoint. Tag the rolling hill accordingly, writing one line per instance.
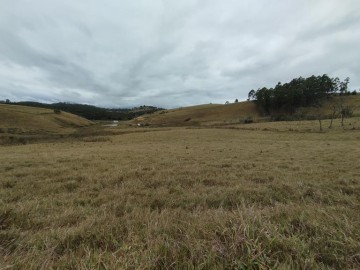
(208, 114)
(15, 119)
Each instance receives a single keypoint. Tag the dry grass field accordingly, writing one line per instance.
(269, 196)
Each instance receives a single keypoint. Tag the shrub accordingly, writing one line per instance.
(57, 111)
(347, 111)
(248, 120)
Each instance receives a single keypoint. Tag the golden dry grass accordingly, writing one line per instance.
(203, 114)
(31, 120)
(183, 198)
(302, 126)
(22, 124)
(353, 101)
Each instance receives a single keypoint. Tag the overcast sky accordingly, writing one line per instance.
(124, 53)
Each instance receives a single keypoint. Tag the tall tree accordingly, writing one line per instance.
(299, 92)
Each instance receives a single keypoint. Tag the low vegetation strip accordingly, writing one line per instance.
(183, 198)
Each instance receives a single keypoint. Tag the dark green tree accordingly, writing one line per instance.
(251, 94)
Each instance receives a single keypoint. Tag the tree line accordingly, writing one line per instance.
(299, 92)
(92, 112)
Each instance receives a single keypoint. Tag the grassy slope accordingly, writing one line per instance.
(230, 113)
(178, 198)
(353, 101)
(205, 114)
(23, 119)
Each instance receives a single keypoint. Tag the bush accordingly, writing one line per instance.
(347, 111)
(248, 120)
(57, 111)
(278, 117)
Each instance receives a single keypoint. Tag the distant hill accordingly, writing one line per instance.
(203, 114)
(220, 114)
(92, 112)
(15, 119)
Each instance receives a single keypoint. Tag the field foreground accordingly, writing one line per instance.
(183, 198)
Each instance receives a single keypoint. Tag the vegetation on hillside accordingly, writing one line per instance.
(300, 92)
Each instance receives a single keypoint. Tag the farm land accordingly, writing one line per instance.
(277, 195)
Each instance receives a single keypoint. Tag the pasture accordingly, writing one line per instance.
(257, 196)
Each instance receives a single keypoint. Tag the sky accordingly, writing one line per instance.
(125, 53)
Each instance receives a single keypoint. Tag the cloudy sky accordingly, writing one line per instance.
(124, 53)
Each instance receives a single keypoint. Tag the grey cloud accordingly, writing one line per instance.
(166, 53)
